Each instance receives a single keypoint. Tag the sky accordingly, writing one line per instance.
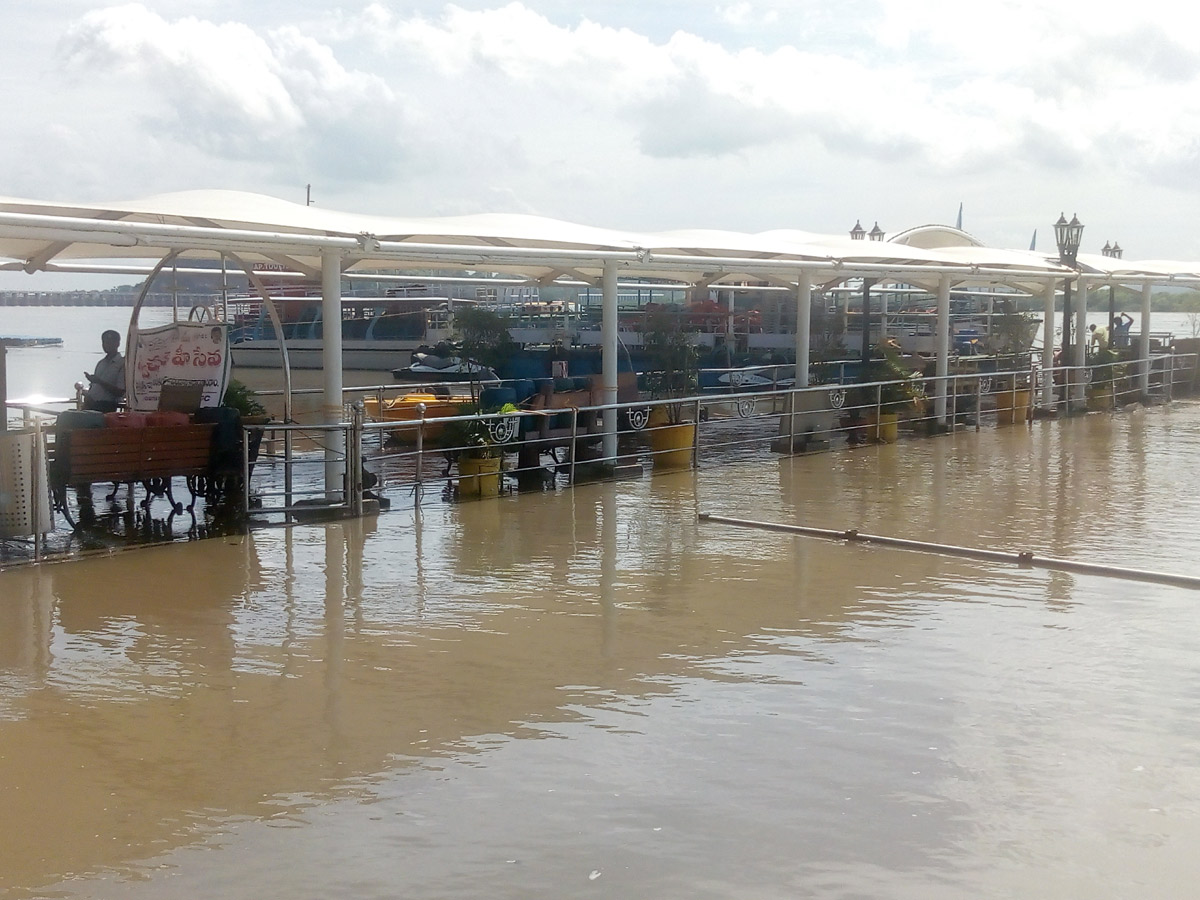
(646, 115)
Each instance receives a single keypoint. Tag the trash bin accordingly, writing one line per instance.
(24, 494)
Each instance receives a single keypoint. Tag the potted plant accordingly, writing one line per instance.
(477, 445)
(244, 399)
(673, 376)
(879, 407)
(1104, 371)
(1011, 333)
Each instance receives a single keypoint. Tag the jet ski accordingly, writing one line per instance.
(427, 368)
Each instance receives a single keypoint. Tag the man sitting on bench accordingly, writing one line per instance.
(107, 384)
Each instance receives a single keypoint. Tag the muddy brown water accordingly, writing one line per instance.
(591, 694)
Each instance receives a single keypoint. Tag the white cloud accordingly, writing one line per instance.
(636, 115)
(735, 13)
(238, 93)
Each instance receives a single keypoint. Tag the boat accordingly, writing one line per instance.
(412, 408)
(429, 368)
(748, 378)
(979, 319)
(385, 332)
(378, 332)
(24, 340)
(382, 333)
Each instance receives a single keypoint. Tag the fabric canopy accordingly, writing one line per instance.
(36, 235)
(40, 235)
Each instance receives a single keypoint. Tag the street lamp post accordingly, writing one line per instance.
(1067, 235)
(1113, 251)
(858, 233)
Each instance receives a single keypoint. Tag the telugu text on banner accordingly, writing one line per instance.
(183, 352)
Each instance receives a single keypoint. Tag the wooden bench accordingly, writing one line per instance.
(151, 456)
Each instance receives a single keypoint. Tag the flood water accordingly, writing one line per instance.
(592, 694)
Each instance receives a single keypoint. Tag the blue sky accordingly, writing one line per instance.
(646, 115)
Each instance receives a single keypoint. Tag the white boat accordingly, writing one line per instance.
(428, 368)
(978, 320)
(378, 333)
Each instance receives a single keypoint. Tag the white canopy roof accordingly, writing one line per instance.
(37, 235)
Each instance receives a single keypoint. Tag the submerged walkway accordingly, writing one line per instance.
(730, 432)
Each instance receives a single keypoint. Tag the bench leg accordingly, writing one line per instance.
(154, 487)
(60, 492)
(196, 485)
(159, 487)
(176, 506)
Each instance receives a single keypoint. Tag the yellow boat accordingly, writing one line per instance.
(407, 409)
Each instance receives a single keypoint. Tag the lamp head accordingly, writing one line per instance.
(1068, 235)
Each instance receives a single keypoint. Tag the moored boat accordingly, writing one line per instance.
(429, 368)
(412, 408)
(378, 333)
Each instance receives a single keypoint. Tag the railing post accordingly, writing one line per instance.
(420, 452)
(696, 437)
(978, 401)
(574, 442)
(287, 467)
(36, 488)
(790, 406)
(1032, 386)
(379, 400)
(354, 458)
(246, 471)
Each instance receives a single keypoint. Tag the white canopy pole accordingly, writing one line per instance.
(608, 357)
(1081, 340)
(803, 326)
(1048, 345)
(331, 361)
(1144, 341)
(942, 345)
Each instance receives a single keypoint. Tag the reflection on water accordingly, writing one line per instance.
(589, 692)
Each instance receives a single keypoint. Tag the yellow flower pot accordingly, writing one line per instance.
(479, 476)
(1100, 398)
(886, 428)
(672, 445)
(1012, 407)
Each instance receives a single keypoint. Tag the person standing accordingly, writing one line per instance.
(107, 383)
(1121, 328)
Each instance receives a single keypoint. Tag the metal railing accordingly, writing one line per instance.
(537, 449)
